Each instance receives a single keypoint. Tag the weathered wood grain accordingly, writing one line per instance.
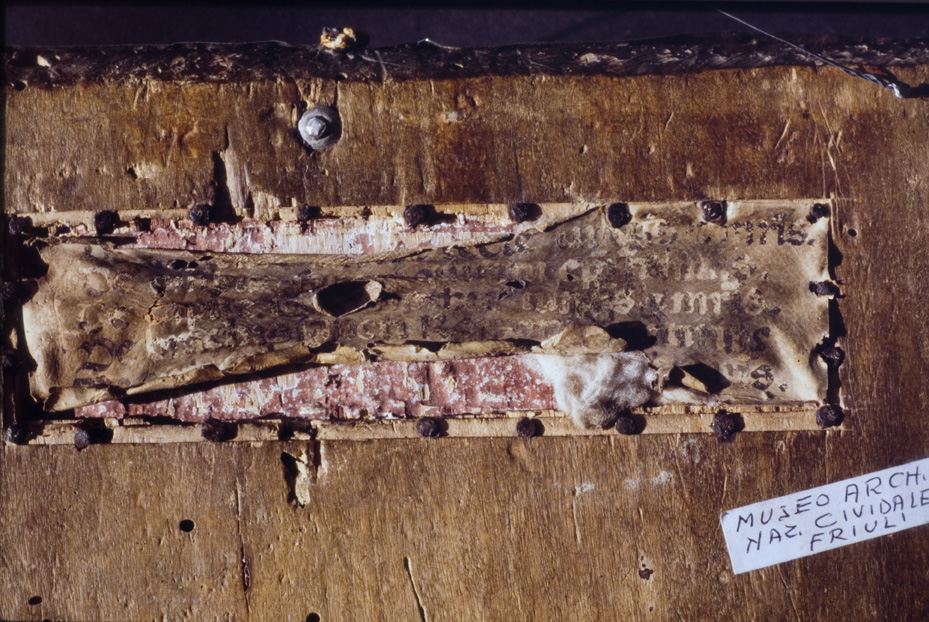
(548, 528)
(441, 129)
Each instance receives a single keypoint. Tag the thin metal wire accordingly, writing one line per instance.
(894, 86)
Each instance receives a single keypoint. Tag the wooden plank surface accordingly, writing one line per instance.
(545, 528)
(516, 529)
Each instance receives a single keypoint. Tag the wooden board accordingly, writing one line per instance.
(599, 527)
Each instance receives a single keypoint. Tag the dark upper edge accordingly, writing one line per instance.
(47, 67)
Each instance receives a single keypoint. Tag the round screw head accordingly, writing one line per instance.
(618, 215)
(828, 416)
(527, 428)
(316, 128)
(105, 222)
(320, 127)
(713, 211)
(429, 427)
(834, 356)
(201, 215)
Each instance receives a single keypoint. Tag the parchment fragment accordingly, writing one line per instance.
(732, 298)
(594, 388)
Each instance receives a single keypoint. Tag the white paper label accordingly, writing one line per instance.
(828, 517)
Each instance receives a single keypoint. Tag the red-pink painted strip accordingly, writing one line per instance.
(322, 236)
(388, 389)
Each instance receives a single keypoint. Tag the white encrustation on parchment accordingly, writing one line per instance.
(828, 517)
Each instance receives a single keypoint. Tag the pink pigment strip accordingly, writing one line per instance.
(387, 389)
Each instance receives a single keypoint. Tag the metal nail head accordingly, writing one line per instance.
(829, 415)
(725, 425)
(626, 425)
(714, 211)
(201, 215)
(320, 127)
(429, 427)
(618, 215)
(527, 428)
(834, 356)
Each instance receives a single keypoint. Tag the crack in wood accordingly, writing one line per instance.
(245, 572)
(419, 601)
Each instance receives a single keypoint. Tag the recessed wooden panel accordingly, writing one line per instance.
(730, 296)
